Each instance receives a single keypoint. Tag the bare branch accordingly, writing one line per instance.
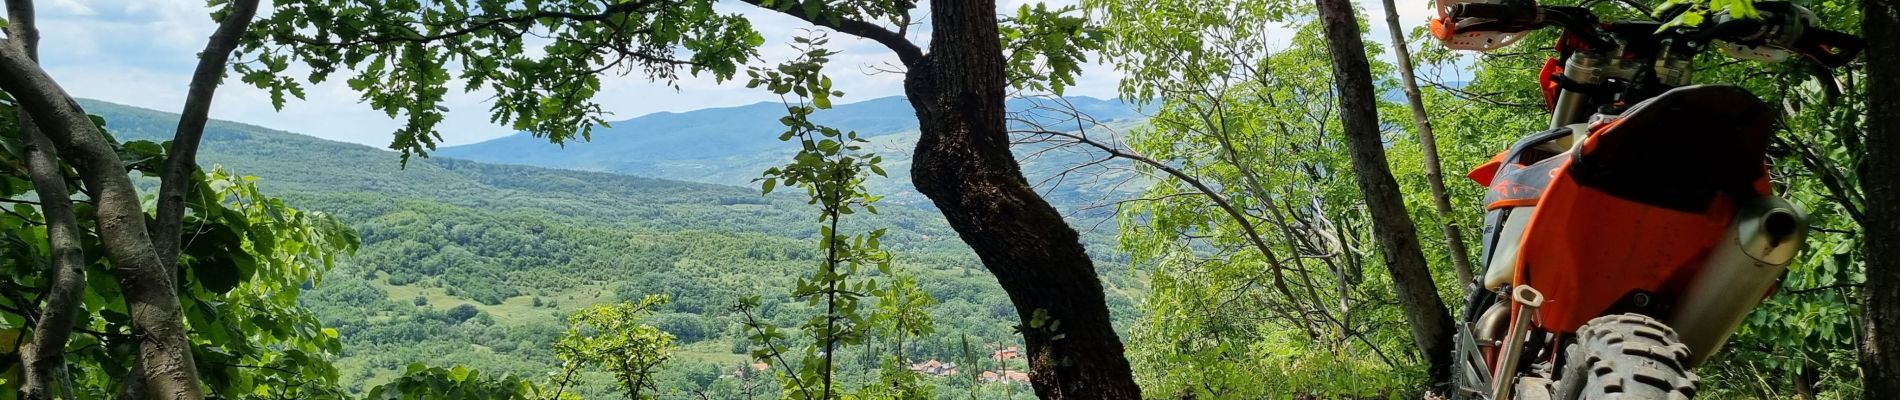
(907, 52)
(1479, 97)
(611, 11)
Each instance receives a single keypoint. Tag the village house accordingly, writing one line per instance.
(935, 368)
(1007, 353)
(1016, 376)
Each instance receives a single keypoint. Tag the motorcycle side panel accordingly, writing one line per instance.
(1586, 250)
(1641, 202)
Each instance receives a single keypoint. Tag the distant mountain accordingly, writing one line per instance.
(712, 132)
(733, 145)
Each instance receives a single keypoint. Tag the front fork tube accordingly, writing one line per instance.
(1504, 377)
(1569, 109)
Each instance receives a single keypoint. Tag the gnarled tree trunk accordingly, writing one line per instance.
(1391, 224)
(963, 163)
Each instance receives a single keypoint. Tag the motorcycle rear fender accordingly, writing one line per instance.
(1638, 206)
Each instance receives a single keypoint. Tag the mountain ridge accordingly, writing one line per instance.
(634, 146)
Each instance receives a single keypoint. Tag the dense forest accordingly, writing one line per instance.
(1277, 205)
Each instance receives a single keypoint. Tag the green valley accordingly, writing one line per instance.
(523, 246)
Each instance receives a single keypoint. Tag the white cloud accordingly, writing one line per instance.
(70, 7)
(141, 53)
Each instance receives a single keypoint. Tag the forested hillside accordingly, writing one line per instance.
(477, 264)
(731, 145)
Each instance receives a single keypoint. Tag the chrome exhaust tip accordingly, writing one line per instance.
(1775, 235)
(1766, 236)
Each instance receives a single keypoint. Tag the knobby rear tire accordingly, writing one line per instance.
(1626, 357)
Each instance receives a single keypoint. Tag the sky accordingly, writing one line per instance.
(141, 53)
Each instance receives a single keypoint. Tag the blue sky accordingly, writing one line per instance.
(141, 52)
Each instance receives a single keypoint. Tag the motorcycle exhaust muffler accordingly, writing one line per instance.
(1766, 235)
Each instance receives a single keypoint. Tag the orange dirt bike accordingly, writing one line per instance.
(1626, 243)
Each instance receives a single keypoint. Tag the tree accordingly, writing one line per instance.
(1880, 354)
(144, 260)
(421, 382)
(903, 313)
(613, 337)
(462, 313)
(831, 166)
(1428, 144)
(1251, 227)
(1391, 224)
(249, 258)
(962, 162)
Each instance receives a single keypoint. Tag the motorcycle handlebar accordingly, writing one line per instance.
(1504, 17)
(1528, 15)
(1492, 11)
(1832, 49)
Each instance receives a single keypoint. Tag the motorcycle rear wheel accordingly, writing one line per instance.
(1628, 356)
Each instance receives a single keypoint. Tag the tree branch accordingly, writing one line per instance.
(619, 8)
(907, 52)
(175, 182)
(1480, 97)
(22, 29)
(1246, 225)
(1854, 285)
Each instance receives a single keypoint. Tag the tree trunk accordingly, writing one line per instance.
(1880, 354)
(1804, 380)
(1391, 224)
(151, 295)
(1428, 143)
(43, 361)
(963, 163)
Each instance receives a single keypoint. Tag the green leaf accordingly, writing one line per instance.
(459, 373)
